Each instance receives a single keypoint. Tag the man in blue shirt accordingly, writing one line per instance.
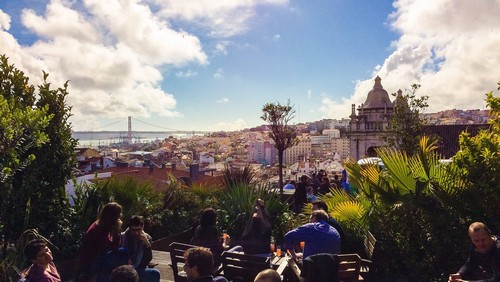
(318, 236)
(321, 205)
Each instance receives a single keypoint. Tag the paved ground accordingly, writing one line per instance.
(163, 259)
(166, 274)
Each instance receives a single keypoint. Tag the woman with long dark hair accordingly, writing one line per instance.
(207, 234)
(99, 253)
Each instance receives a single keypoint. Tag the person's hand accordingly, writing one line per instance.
(144, 240)
(455, 278)
(143, 237)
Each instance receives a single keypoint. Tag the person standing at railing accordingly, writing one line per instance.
(256, 237)
(300, 194)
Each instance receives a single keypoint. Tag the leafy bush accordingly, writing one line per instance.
(136, 197)
(236, 206)
(178, 212)
(410, 212)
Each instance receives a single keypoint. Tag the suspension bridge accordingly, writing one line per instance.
(129, 135)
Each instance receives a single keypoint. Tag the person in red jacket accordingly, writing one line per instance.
(100, 252)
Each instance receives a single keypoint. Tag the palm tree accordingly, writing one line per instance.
(409, 208)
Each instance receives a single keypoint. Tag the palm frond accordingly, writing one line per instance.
(396, 163)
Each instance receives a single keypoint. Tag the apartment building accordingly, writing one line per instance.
(298, 152)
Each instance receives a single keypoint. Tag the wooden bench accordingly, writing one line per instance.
(348, 266)
(242, 267)
(177, 250)
(373, 249)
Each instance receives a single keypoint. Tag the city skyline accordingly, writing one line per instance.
(199, 65)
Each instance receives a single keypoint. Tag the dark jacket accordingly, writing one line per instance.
(483, 267)
(138, 252)
(321, 267)
(256, 237)
(335, 224)
(210, 278)
(209, 237)
(300, 196)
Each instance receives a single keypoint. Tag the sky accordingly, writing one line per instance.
(211, 65)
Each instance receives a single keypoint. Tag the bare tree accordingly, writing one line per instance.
(284, 136)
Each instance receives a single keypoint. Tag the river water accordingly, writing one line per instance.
(104, 138)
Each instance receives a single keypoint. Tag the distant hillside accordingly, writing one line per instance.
(458, 117)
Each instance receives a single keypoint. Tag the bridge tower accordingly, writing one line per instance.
(129, 133)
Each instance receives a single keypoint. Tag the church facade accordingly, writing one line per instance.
(367, 126)
(370, 121)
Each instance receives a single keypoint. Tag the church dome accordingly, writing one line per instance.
(377, 97)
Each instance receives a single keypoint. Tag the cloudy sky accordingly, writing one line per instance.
(212, 64)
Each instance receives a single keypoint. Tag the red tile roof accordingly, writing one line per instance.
(158, 176)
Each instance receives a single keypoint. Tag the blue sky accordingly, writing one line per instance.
(212, 65)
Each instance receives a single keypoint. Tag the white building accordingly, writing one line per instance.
(262, 152)
(299, 152)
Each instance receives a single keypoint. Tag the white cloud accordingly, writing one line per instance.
(186, 74)
(114, 52)
(219, 73)
(238, 124)
(217, 17)
(4, 21)
(113, 64)
(276, 37)
(309, 93)
(449, 47)
(147, 35)
(223, 100)
(60, 21)
(221, 47)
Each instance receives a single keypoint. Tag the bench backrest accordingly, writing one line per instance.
(244, 267)
(177, 250)
(349, 267)
(370, 243)
(345, 267)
